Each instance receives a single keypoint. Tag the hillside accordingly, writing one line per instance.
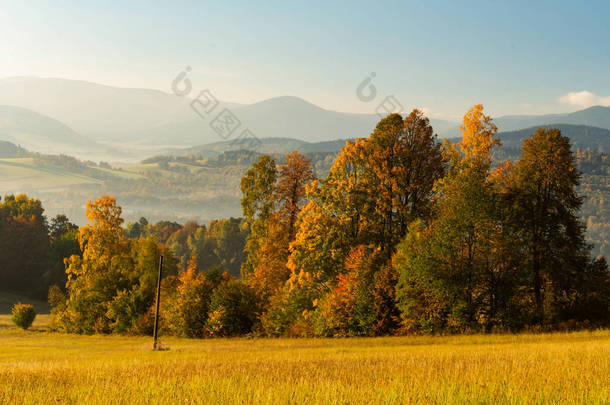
(37, 132)
(97, 111)
(581, 136)
(593, 117)
(121, 124)
(202, 183)
(267, 145)
(138, 119)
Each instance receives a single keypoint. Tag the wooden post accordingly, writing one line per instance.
(156, 329)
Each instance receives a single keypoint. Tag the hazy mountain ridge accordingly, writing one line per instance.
(35, 131)
(596, 116)
(133, 118)
(582, 136)
(94, 121)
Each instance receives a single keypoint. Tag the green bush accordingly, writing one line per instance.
(233, 310)
(23, 315)
(289, 311)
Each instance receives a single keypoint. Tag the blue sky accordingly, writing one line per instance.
(515, 57)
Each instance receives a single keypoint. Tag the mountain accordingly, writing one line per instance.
(143, 119)
(581, 136)
(593, 117)
(10, 150)
(97, 111)
(296, 118)
(267, 145)
(40, 133)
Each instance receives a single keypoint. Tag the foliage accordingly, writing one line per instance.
(23, 315)
(112, 285)
(233, 309)
(24, 245)
(290, 311)
(283, 196)
(188, 306)
(506, 248)
(403, 235)
(257, 205)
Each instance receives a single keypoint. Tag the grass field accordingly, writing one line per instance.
(39, 367)
(22, 173)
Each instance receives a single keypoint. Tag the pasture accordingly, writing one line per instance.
(41, 367)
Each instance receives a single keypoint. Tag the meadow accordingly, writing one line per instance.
(41, 367)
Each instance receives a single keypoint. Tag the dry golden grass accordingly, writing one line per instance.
(38, 367)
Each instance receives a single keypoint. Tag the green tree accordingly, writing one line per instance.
(448, 269)
(24, 243)
(258, 203)
(234, 309)
(544, 203)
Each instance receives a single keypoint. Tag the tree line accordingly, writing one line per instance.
(405, 234)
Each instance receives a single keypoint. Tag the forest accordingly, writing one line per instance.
(402, 234)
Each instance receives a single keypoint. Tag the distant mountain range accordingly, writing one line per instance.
(141, 119)
(581, 136)
(267, 145)
(593, 117)
(32, 130)
(94, 121)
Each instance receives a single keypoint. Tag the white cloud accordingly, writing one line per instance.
(441, 116)
(584, 99)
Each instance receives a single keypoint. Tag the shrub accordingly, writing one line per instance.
(233, 309)
(23, 315)
(289, 311)
(187, 307)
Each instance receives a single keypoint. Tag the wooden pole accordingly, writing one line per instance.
(156, 329)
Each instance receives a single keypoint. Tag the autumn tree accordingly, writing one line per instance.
(448, 270)
(376, 187)
(403, 160)
(294, 176)
(112, 284)
(187, 307)
(278, 215)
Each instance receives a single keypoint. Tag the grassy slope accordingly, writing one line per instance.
(550, 368)
(7, 300)
(17, 174)
(23, 173)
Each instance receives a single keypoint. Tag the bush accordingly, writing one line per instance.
(23, 315)
(289, 311)
(233, 309)
(187, 307)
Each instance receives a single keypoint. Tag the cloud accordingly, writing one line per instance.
(584, 99)
(440, 116)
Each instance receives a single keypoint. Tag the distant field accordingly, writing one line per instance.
(570, 368)
(22, 173)
(7, 300)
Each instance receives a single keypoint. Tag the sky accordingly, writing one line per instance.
(515, 57)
